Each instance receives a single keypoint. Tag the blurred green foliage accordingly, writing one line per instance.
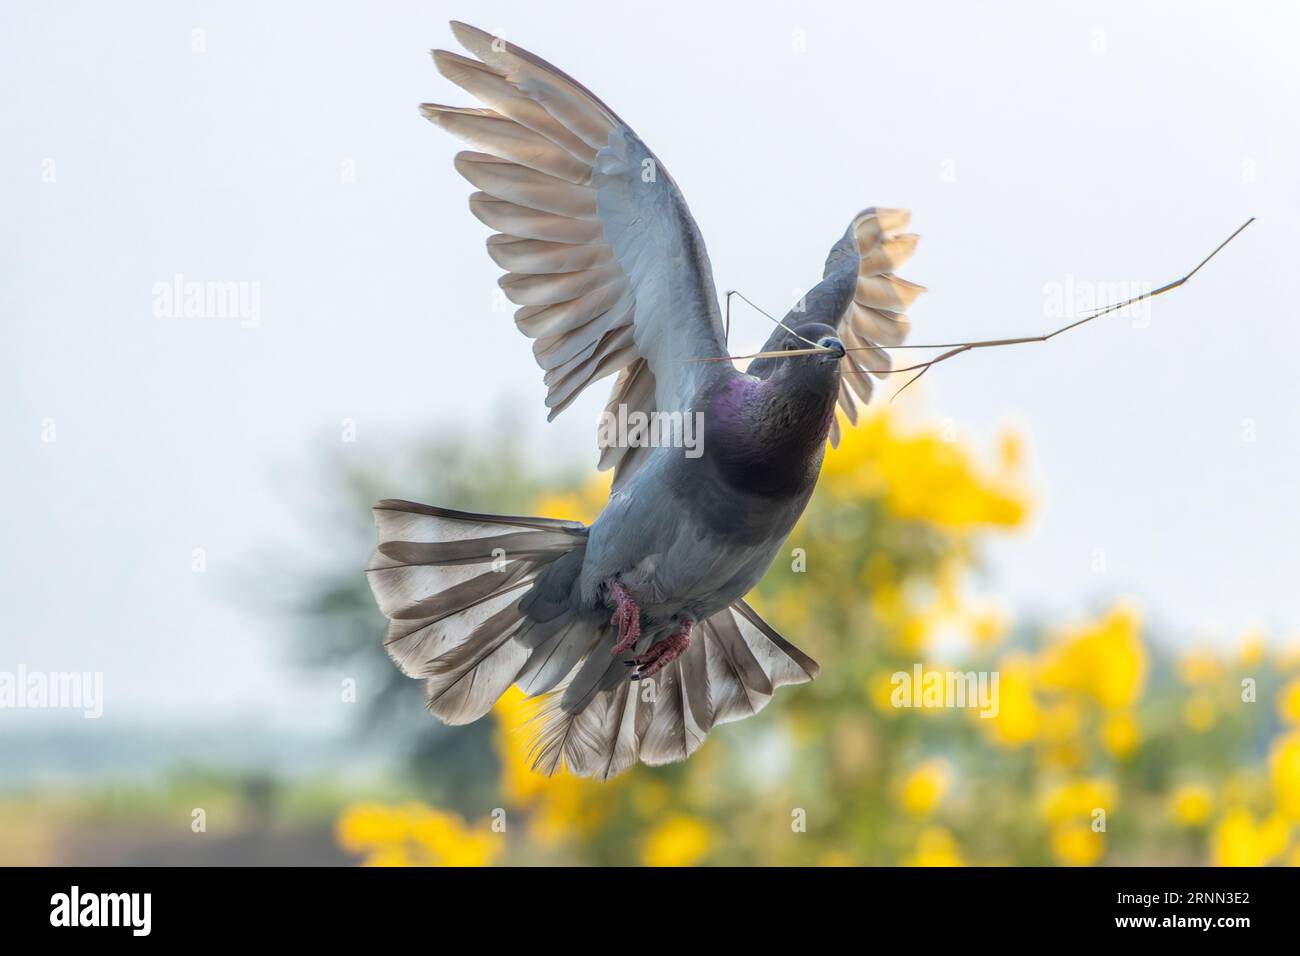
(1104, 748)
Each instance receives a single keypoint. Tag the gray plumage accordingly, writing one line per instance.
(611, 276)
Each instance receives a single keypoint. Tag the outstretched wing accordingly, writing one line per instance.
(600, 251)
(861, 298)
(874, 245)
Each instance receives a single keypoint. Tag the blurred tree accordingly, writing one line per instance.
(1099, 746)
(340, 628)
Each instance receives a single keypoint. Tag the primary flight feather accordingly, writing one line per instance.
(632, 631)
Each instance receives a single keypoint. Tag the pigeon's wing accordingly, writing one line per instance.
(600, 250)
(875, 244)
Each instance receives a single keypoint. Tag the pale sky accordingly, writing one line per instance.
(280, 146)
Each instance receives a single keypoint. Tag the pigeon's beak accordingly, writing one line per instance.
(834, 344)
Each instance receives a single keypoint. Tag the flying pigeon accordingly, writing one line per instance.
(632, 632)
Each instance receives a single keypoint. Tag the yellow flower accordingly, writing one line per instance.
(925, 786)
(1191, 804)
(1120, 735)
(395, 855)
(987, 625)
(922, 477)
(1061, 722)
(948, 602)
(1200, 714)
(880, 691)
(888, 606)
(1061, 726)
(581, 505)
(678, 841)
(915, 632)
(416, 835)
(364, 826)
(1239, 841)
(521, 784)
(1284, 764)
(1017, 721)
(561, 806)
(1104, 659)
(1077, 799)
(1252, 649)
(448, 841)
(1077, 844)
(1288, 702)
(1199, 667)
(935, 846)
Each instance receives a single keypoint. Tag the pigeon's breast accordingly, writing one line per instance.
(764, 440)
(682, 541)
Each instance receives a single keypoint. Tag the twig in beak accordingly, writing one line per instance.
(784, 353)
(957, 348)
(768, 314)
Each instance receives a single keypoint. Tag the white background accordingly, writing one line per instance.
(1107, 141)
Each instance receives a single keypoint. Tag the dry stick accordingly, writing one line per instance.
(730, 293)
(959, 347)
(784, 353)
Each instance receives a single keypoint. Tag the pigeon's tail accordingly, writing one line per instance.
(476, 603)
(451, 585)
(600, 723)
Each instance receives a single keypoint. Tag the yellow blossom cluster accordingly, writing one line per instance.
(927, 475)
(413, 834)
(1102, 745)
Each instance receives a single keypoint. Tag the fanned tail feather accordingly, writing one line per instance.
(451, 584)
(469, 616)
(730, 671)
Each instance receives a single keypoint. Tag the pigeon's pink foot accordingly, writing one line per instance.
(627, 618)
(664, 652)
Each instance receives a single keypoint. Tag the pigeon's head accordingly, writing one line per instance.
(815, 368)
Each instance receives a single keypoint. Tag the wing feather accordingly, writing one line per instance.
(874, 245)
(601, 253)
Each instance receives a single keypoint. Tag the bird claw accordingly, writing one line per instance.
(627, 618)
(664, 652)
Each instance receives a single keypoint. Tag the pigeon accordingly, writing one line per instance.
(632, 634)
